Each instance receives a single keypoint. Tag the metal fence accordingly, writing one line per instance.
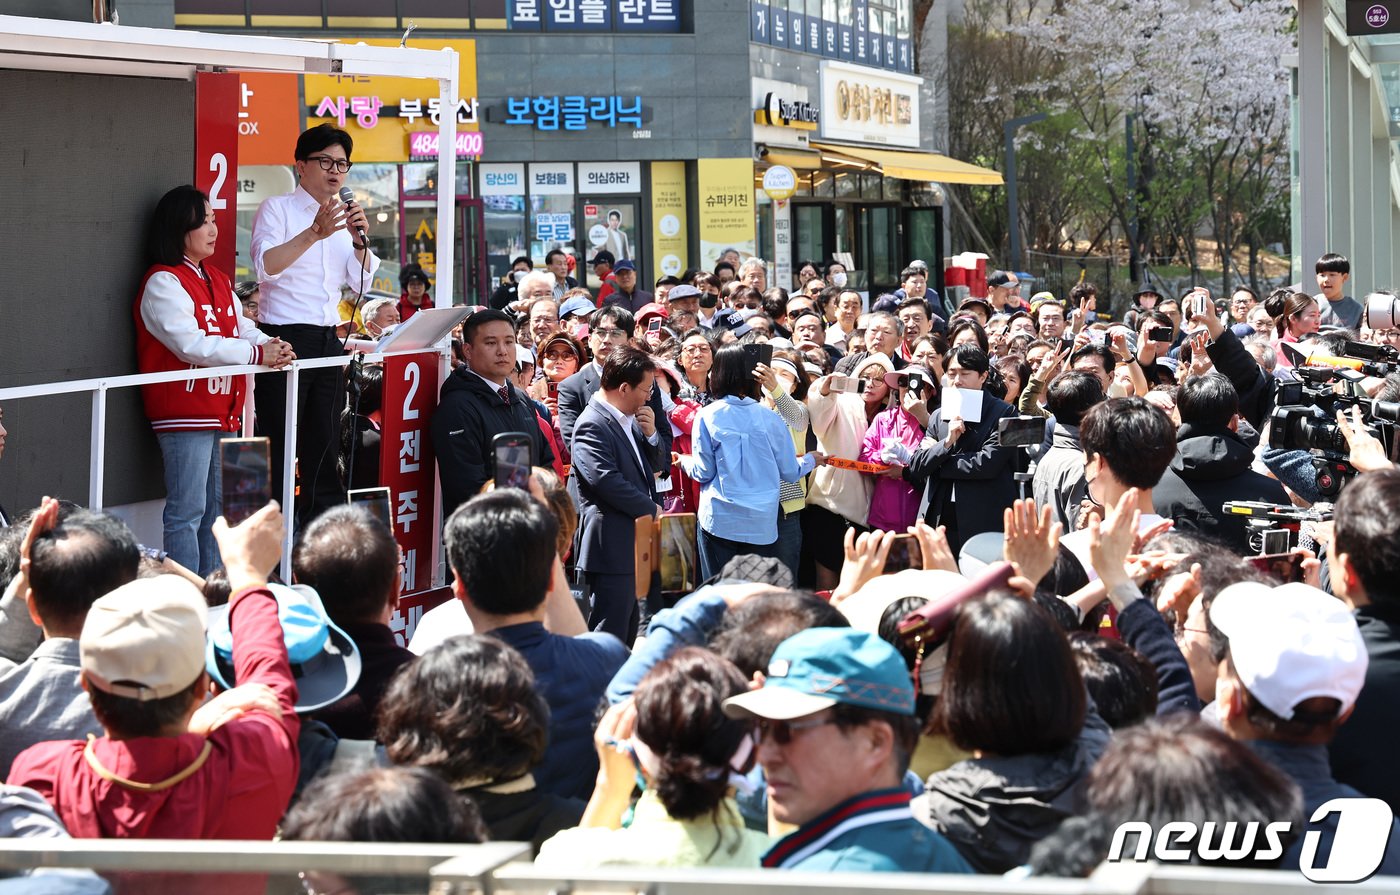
(212, 868)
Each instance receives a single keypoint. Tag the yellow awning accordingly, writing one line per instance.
(793, 158)
(918, 165)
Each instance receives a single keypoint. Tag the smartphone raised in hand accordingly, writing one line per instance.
(905, 553)
(377, 501)
(246, 467)
(513, 452)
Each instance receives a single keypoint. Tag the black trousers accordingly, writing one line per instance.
(320, 399)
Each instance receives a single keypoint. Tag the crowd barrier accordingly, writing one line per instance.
(503, 868)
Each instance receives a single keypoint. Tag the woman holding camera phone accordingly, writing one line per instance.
(742, 452)
(187, 317)
(894, 503)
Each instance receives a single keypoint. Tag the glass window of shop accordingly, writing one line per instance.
(376, 188)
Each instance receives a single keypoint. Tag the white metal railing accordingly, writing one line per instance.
(100, 386)
(503, 867)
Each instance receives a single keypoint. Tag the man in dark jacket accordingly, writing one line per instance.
(966, 469)
(1059, 476)
(1363, 557)
(1212, 466)
(478, 403)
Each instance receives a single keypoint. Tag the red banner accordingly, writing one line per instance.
(216, 157)
(408, 470)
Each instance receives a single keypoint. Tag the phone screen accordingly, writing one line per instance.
(512, 463)
(1021, 431)
(1160, 334)
(905, 553)
(246, 466)
(654, 325)
(377, 501)
(1286, 567)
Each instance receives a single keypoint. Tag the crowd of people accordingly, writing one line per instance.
(969, 597)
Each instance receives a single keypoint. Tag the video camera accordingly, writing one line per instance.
(1305, 410)
(1275, 528)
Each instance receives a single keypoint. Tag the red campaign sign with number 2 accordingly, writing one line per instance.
(216, 157)
(408, 469)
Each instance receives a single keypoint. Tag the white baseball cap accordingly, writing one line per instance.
(1291, 643)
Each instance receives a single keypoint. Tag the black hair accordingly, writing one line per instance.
(908, 272)
(626, 366)
(552, 253)
(1332, 263)
(1368, 531)
(1010, 686)
(667, 281)
(1136, 439)
(1121, 680)
(978, 332)
(481, 318)
(826, 270)
(1286, 306)
(969, 357)
(750, 632)
(383, 805)
(1208, 401)
(126, 718)
(617, 315)
(501, 546)
(178, 212)
(522, 259)
(680, 717)
(86, 555)
(1165, 771)
(1102, 352)
(916, 303)
(723, 265)
(732, 375)
(1014, 364)
(1242, 288)
(1070, 395)
(888, 631)
(468, 709)
(321, 136)
(350, 558)
(1083, 290)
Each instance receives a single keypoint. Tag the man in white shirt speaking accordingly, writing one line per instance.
(306, 246)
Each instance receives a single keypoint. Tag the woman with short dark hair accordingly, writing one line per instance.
(1013, 696)
(187, 317)
(469, 711)
(689, 756)
(742, 451)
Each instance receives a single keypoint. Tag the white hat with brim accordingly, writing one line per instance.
(776, 703)
(864, 608)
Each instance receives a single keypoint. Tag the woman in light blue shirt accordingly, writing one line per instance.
(742, 452)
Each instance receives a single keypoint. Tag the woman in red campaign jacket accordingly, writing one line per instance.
(187, 317)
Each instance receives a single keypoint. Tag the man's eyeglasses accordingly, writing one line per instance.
(696, 349)
(610, 333)
(1388, 333)
(782, 731)
(327, 163)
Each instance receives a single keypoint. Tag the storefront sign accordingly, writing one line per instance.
(595, 15)
(780, 183)
(669, 238)
(570, 113)
(726, 199)
(268, 118)
(502, 180)
(866, 106)
(779, 111)
(216, 156)
(558, 227)
(406, 468)
(610, 177)
(1373, 17)
(423, 145)
(552, 179)
(849, 30)
(380, 113)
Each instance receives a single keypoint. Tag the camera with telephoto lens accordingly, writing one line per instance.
(1305, 419)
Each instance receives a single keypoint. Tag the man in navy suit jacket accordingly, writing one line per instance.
(609, 328)
(615, 487)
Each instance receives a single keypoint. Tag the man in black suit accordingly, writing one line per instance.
(478, 403)
(615, 487)
(609, 328)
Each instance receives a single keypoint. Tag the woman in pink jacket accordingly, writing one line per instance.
(894, 503)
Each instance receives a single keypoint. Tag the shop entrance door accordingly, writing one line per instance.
(878, 246)
(923, 239)
(472, 283)
(811, 233)
(612, 223)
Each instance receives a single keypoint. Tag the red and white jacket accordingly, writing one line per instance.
(188, 318)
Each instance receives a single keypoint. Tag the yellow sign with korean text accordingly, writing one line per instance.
(726, 197)
(380, 113)
(669, 237)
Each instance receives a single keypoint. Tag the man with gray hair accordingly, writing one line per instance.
(533, 286)
(754, 274)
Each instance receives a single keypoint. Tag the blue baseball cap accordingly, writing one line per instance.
(820, 667)
(325, 661)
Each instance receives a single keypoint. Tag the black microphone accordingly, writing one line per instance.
(347, 196)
